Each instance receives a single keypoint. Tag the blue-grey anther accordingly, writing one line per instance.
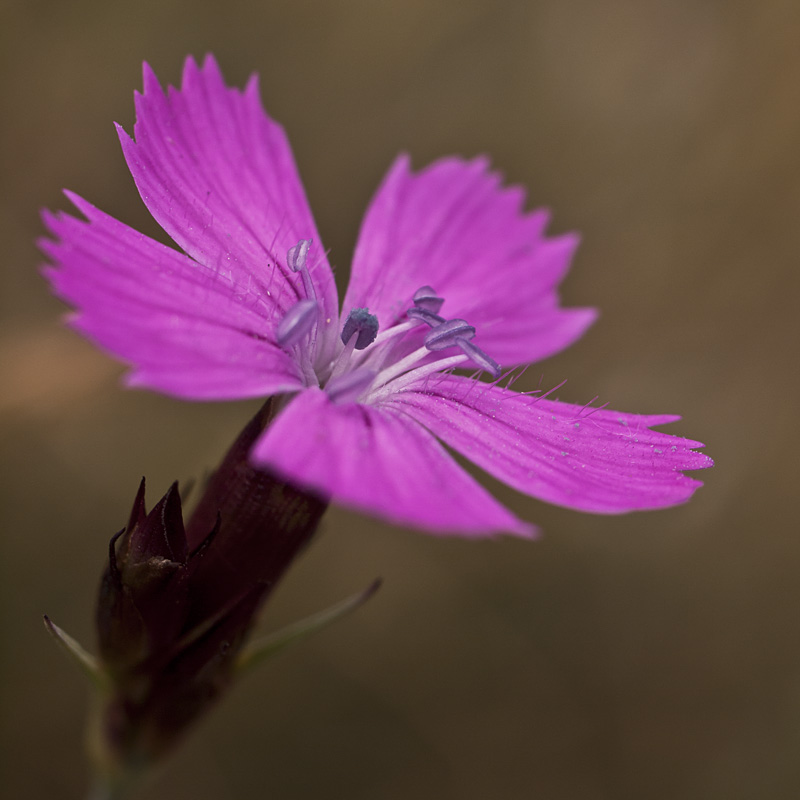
(359, 321)
(427, 298)
(299, 320)
(447, 334)
(477, 356)
(423, 315)
(351, 385)
(296, 256)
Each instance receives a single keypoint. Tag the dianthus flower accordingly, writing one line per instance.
(449, 273)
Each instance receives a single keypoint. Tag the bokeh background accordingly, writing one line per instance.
(652, 655)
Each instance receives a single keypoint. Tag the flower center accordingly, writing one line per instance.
(373, 364)
(376, 373)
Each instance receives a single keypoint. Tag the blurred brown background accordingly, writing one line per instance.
(654, 655)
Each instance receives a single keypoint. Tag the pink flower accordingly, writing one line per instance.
(250, 308)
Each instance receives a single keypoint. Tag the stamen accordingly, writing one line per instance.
(350, 386)
(446, 334)
(299, 320)
(427, 298)
(401, 366)
(363, 324)
(296, 259)
(423, 315)
(395, 330)
(343, 359)
(385, 387)
(296, 256)
(477, 356)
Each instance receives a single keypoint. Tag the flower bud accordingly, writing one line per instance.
(176, 603)
(144, 596)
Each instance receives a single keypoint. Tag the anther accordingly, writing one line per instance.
(350, 386)
(296, 259)
(447, 334)
(423, 315)
(299, 320)
(363, 324)
(428, 317)
(477, 356)
(427, 298)
(296, 256)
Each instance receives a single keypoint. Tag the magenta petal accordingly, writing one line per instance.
(588, 459)
(219, 176)
(186, 329)
(382, 463)
(453, 226)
